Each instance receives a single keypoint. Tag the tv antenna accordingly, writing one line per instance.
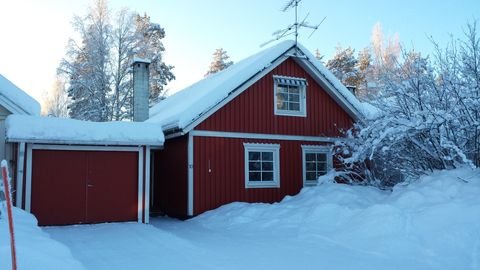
(292, 29)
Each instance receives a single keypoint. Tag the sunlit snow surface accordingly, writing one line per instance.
(431, 224)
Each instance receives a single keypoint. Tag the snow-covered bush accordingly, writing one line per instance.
(429, 115)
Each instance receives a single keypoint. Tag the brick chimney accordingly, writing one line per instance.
(140, 89)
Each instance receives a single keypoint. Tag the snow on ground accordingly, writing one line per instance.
(35, 249)
(431, 224)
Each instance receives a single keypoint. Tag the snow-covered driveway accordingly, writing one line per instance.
(172, 244)
(432, 224)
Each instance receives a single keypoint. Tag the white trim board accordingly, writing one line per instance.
(19, 180)
(242, 135)
(140, 185)
(147, 184)
(81, 143)
(28, 182)
(84, 148)
(190, 175)
(11, 106)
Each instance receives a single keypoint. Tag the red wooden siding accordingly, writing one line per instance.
(225, 181)
(253, 110)
(72, 187)
(170, 169)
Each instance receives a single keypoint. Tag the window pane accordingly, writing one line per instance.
(267, 166)
(294, 97)
(254, 176)
(294, 106)
(310, 166)
(268, 156)
(321, 157)
(253, 155)
(310, 157)
(282, 88)
(310, 176)
(282, 103)
(267, 176)
(254, 166)
(294, 90)
(322, 166)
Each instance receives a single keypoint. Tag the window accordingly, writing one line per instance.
(317, 161)
(261, 165)
(290, 96)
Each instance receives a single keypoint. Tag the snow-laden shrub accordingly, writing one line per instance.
(429, 117)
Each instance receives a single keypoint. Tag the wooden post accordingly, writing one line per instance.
(6, 186)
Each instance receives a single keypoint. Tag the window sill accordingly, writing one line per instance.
(287, 113)
(262, 185)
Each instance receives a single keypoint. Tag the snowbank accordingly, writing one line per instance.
(59, 130)
(21, 99)
(35, 249)
(431, 224)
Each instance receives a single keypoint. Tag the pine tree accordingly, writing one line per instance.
(149, 45)
(364, 66)
(220, 61)
(343, 66)
(319, 56)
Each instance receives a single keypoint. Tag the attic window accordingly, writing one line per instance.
(290, 96)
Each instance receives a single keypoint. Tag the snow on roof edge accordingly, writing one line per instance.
(37, 129)
(18, 97)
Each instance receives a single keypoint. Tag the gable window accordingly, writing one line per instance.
(262, 165)
(290, 96)
(317, 161)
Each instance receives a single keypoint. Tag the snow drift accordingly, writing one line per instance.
(35, 249)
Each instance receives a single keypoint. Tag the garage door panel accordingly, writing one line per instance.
(77, 186)
(58, 196)
(112, 186)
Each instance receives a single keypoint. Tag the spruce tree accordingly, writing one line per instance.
(220, 61)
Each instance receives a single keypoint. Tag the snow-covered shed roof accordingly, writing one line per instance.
(183, 108)
(37, 129)
(16, 100)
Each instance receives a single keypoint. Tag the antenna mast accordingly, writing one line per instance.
(295, 27)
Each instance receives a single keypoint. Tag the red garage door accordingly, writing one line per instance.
(74, 187)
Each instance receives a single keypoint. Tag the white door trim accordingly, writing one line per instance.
(19, 180)
(190, 175)
(28, 182)
(147, 184)
(139, 149)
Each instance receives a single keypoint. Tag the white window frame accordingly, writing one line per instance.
(257, 147)
(303, 98)
(317, 149)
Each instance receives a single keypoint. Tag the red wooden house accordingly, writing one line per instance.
(255, 132)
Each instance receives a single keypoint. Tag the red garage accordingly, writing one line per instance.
(93, 173)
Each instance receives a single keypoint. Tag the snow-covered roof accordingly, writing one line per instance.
(16, 100)
(189, 104)
(21, 128)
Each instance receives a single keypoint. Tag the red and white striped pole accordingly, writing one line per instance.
(6, 186)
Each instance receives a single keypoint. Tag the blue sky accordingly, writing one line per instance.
(34, 32)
